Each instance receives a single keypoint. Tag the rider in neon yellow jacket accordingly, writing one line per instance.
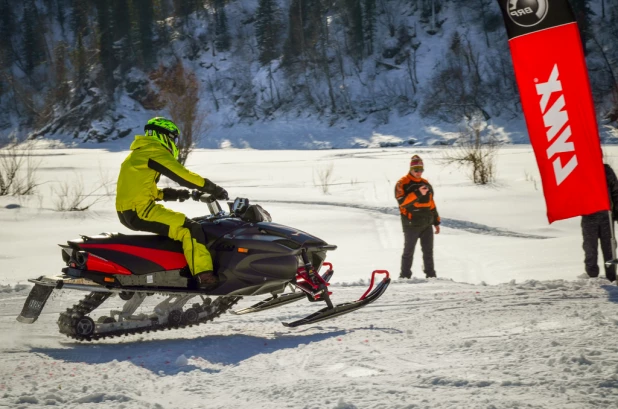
(152, 155)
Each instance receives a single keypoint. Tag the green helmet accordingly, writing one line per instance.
(164, 131)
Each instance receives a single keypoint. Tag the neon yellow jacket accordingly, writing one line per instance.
(140, 172)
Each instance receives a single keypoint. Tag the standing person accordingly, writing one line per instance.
(596, 227)
(154, 154)
(418, 215)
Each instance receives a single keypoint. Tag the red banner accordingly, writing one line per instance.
(555, 93)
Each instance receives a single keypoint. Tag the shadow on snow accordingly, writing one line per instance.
(612, 292)
(161, 356)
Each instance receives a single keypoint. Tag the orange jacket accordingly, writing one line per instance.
(417, 208)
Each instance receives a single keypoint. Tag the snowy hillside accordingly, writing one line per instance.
(509, 322)
(346, 74)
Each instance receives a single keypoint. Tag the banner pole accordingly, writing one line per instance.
(611, 226)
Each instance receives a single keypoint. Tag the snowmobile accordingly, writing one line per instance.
(252, 256)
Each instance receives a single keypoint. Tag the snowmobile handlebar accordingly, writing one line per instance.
(202, 197)
(212, 203)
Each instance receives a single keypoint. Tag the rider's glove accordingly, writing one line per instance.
(219, 193)
(171, 194)
(183, 194)
(215, 190)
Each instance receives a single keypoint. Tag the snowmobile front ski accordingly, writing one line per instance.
(332, 311)
(278, 300)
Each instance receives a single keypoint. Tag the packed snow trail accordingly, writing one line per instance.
(433, 344)
(467, 226)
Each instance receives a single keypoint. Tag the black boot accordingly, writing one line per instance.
(610, 272)
(206, 280)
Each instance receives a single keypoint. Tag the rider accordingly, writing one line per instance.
(152, 155)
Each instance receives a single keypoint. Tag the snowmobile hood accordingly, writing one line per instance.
(141, 141)
(290, 233)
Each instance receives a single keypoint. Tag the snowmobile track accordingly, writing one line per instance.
(69, 319)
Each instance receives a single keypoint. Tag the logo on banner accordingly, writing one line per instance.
(527, 13)
(555, 117)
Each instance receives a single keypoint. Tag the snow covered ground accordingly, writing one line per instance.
(510, 321)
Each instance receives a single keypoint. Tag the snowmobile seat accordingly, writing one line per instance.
(150, 241)
(139, 253)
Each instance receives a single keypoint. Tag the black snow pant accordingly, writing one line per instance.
(411, 235)
(596, 227)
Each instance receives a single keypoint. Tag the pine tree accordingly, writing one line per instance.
(60, 10)
(183, 8)
(352, 17)
(369, 24)
(583, 14)
(123, 39)
(304, 28)
(267, 30)
(222, 42)
(79, 18)
(7, 28)
(79, 60)
(295, 42)
(161, 10)
(313, 24)
(33, 52)
(61, 90)
(106, 44)
(145, 21)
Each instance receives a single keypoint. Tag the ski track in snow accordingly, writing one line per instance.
(470, 227)
(424, 344)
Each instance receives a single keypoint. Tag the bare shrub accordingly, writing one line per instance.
(180, 92)
(475, 152)
(17, 169)
(530, 178)
(323, 176)
(75, 196)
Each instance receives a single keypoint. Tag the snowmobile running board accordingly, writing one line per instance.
(340, 309)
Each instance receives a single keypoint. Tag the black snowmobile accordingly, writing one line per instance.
(251, 255)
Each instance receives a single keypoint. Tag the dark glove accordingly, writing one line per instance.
(409, 189)
(219, 193)
(183, 194)
(171, 194)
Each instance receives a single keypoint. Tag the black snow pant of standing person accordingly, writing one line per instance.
(411, 235)
(596, 227)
